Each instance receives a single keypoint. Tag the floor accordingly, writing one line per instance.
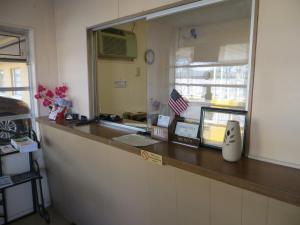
(35, 219)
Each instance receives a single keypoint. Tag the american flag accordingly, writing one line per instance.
(177, 102)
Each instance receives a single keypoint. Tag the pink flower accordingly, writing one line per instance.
(41, 88)
(57, 91)
(46, 102)
(64, 88)
(49, 94)
(37, 96)
(60, 91)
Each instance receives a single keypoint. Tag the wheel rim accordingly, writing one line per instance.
(6, 127)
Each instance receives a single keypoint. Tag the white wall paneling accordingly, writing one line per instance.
(100, 184)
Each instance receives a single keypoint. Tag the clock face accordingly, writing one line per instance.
(149, 56)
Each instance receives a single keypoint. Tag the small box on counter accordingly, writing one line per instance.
(160, 133)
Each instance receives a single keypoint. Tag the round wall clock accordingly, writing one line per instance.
(149, 56)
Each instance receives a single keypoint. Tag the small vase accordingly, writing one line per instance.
(232, 146)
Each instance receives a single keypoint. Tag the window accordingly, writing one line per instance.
(1, 79)
(12, 46)
(204, 54)
(221, 85)
(15, 90)
(16, 81)
(202, 50)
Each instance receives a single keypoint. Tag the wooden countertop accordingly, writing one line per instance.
(279, 182)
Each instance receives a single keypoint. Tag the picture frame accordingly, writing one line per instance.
(185, 133)
(213, 122)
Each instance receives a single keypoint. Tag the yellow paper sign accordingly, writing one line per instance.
(152, 157)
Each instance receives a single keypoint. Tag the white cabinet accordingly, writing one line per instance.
(254, 208)
(97, 184)
(280, 213)
(193, 198)
(161, 194)
(226, 204)
(129, 194)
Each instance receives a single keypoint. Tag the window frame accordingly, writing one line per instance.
(23, 58)
(21, 35)
(14, 80)
(160, 12)
(1, 78)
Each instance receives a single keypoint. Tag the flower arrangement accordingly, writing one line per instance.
(50, 97)
(54, 100)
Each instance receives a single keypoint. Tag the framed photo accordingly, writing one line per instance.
(186, 133)
(213, 122)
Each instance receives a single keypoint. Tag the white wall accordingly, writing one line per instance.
(37, 16)
(275, 128)
(72, 19)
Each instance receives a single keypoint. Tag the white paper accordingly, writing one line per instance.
(139, 125)
(136, 140)
(163, 121)
(7, 149)
(5, 181)
(188, 130)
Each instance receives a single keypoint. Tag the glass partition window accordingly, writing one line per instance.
(121, 72)
(202, 53)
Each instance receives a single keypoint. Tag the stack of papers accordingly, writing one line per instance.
(24, 144)
(5, 149)
(136, 140)
(5, 181)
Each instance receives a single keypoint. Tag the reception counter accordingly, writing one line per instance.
(194, 185)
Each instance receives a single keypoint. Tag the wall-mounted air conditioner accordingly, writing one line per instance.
(115, 43)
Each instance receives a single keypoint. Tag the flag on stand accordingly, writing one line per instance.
(177, 102)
